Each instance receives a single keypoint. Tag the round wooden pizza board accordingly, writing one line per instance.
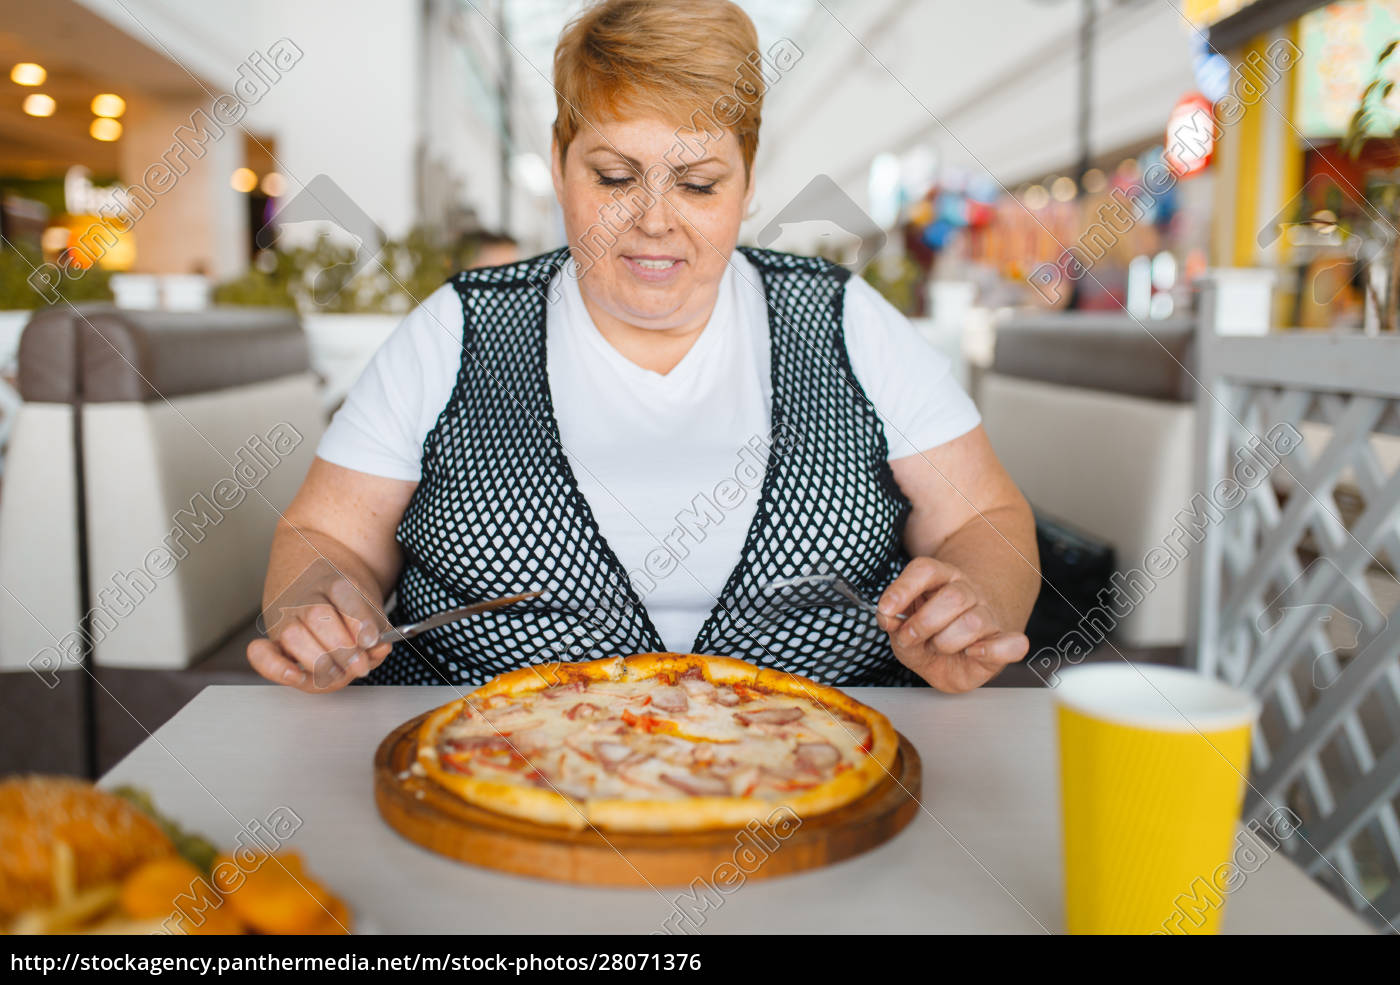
(434, 818)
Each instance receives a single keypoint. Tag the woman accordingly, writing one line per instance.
(652, 426)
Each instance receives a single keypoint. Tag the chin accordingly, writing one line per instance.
(644, 315)
(653, 298)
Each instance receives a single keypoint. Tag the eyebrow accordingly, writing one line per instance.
(636, 165)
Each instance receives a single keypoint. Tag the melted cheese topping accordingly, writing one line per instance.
(650, 740)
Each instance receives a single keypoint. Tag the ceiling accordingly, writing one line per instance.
(84, 55)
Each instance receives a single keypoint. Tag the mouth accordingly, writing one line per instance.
(653, 268)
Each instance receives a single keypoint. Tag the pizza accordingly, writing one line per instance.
(655, 742)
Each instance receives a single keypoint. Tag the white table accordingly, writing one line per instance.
(983, 856)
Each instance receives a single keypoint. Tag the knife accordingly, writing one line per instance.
(407, 631)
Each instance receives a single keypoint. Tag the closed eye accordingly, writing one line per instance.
(613, 181)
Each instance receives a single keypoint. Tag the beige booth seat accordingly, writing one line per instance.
(196, 430)
(1093, 417)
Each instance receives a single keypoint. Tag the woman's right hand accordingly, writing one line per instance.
(322, 633)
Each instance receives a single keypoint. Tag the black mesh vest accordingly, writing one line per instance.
(498, 511)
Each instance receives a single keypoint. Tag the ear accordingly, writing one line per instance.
(556, 170)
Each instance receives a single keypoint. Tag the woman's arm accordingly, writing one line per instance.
(976, 571)
(334, 559)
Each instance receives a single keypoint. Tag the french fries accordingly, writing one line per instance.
(68, 913)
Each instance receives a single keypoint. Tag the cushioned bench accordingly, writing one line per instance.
(1093, 417)
(194, 430)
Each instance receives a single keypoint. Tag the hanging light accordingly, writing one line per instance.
(108, 104)
(1095, 181)
(273, 185)
(39, 104)
(243, 180)
(28, 74)
(1063, 189)
(105, 129)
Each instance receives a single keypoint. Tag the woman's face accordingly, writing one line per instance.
(652, 213)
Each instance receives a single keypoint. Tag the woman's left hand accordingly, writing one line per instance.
(952, 636)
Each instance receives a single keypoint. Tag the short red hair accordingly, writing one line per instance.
(694, 62)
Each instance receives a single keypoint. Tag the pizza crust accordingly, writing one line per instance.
(693, 813)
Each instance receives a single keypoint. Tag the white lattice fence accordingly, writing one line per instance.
(1297, 597)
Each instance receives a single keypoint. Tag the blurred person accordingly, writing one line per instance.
(651, 424)
(494, 250)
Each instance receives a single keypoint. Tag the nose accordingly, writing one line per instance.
(658, 218)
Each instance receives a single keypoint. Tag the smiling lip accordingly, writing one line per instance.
(653, 268)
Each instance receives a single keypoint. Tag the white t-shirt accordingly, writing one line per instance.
(671, 464)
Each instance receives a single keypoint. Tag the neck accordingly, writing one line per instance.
(659, 349)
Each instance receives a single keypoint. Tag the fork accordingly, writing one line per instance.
(835, 582)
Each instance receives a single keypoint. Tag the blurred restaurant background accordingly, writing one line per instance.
(1147, 233)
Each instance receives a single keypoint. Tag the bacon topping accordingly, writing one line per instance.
(502, 716)
(531, 737)
(628, 770)
(477, 743)
(726, 696)
(670, 699)
(584, 709)
(769, 716)
(784, 779)
(697, 687)
(697, 784)
(817, 757)
(610, 754)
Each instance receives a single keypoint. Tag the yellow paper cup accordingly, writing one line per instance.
(1152, 778)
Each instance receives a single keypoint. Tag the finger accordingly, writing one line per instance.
(337, 639)
(936, 614)
(921, 575)
(301, 645)
(975, 624)
(362, 616)
(890, 624)
(1003, 648)
(377, 654)
(330, 670)
(269, 661)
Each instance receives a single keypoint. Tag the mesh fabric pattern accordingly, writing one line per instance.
(498, 511)
(829, 501)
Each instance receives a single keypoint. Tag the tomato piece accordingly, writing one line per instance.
(457, 763)
(647, 723)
